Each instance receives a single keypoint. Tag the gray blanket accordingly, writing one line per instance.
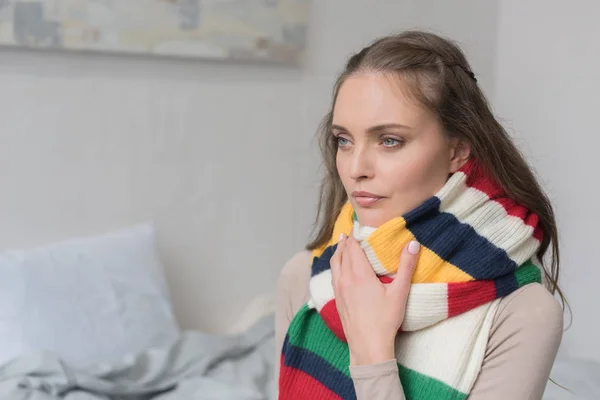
(198, 366)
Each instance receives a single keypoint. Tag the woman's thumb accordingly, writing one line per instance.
(406, 269)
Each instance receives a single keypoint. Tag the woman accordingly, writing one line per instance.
(424, 279)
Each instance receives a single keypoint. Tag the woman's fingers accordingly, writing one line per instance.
(406, 269)
(360, 263)
(350, 253)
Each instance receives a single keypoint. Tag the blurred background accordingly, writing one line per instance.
(220, 155)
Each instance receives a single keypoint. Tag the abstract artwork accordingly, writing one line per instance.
(257, 30)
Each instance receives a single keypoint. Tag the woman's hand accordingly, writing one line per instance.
(371, 312)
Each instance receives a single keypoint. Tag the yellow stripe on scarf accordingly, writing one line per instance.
(387, 243)
(343, 224)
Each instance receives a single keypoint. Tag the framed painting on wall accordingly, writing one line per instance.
(271, 31)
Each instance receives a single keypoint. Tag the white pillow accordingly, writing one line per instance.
(89, 300)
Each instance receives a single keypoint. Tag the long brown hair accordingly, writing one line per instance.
(439, 76)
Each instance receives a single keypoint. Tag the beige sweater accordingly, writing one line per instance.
(521, 349)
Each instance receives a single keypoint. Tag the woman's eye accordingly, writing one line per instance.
(390, 142)
(341, 142)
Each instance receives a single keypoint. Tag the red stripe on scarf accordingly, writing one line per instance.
(331, 317)
(464, 296)
(477, 180)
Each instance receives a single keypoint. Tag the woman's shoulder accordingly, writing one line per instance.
(533, 300)
(293, 282)
(298, 265)
(529, 314)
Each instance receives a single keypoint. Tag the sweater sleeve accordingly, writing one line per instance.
(378, 381)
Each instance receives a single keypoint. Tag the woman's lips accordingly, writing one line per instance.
(365, 199)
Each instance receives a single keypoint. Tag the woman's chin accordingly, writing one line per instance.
(373, 217)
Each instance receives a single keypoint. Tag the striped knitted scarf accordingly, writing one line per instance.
(477, 247)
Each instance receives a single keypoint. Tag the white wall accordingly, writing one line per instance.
(547, 91)
(221, 156)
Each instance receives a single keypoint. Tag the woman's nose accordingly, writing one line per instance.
(361, 165)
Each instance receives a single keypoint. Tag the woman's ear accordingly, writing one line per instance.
(460, 154)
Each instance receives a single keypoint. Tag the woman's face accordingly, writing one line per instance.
(392, 153)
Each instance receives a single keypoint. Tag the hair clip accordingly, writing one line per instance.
(465, 70)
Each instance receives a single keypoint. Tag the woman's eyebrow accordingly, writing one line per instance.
(375, 128)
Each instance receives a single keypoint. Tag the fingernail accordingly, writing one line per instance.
(341, 237)
(414, 247)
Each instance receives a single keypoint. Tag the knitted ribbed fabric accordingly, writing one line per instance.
(477, 247)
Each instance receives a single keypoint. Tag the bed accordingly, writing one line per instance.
(90, 318)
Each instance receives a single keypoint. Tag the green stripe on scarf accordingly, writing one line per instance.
(308, 331)
(419, 386)
(528, 273)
